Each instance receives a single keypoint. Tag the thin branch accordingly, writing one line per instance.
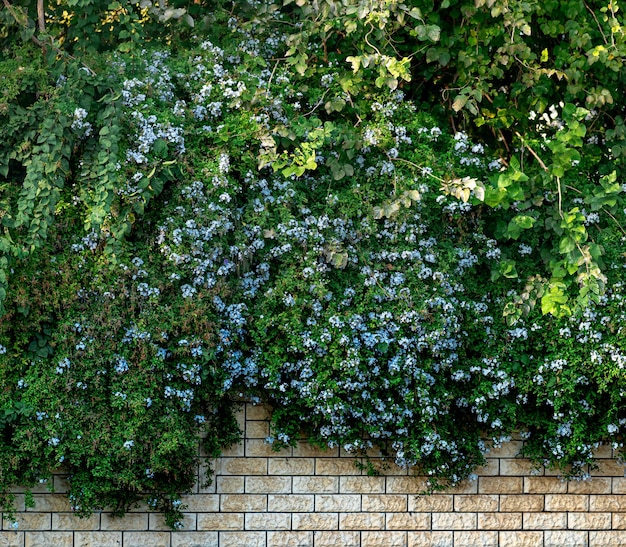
(41, 16)
(543, 165)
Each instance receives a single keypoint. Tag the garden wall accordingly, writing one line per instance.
(307, 497)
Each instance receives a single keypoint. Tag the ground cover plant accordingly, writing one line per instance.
(401, 228)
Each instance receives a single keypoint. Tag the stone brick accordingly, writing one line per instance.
(29, 521)
(607, 539)
(98, 539)
(243, 466)
(597, 485)
(61, 484)
(521, 503)
(336, 466)
(464, 487)
(229, 485)
(476, 539)
(131, 521)
(500, 485)
(589, 521)
(268, 521)
(618, 485)
(383, 539)
(518, 467)
(147, 539)
(566, 502)
(291, 466)
(362, 521)
(325, 503)
(607, 503)
(316, 485)
(499, 521)
(405, 485)
(49, 539)
(559, 538)
(257, 430)
(70, 521)
(407, 521)
(53, 503)
(507, 450)
(156, 521)
(238, 503)
(521, 539)
(609, 468)
(290, 503)
(239, 539)
(268, 485)
(431, 503)
(454, 521)
(430, 539)
(545, 521)
(219, 521)
(305, 450)
(544, 485)
(260, 448)
(290, 539)
(490, 469)
(393, 503)
(194, 539)
(618, 521)
(337, 539)
(233, 451)
(386, 468)
(11, 539)
(315, 521)
(475, 503)
(603, 452)
(362, 485)
(201, 502)
(258, 412)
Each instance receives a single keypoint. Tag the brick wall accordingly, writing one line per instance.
(307, 497)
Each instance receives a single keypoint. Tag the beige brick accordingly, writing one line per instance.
(618, 485)
(454, 521)
(48, 539)
(233, 451)
(518, 467)
(238, 503)
(544, 485)
(383, 539)
(362, 485)
(430, 539)
(290, 539)
(29, 521)
(291, 466)
(603, 452)
(201, 502)
(566, 502)
(50, 503)
(475, 503)
(589, 521)
(507, 450)
(500, 485)
(69, 521)
(545, 521)
(499, 521)
(475, 539)
(11, 539)
(362, 521)
(387, 468)
(61, 484)
(325, 503)
(607, 503)
(156, 521)
(239, 539)
(521, 503)
(305, 450)
(243, 466)
(240, 416)
(257, 430)
(220, 521)
(315, 521)
(464, 487)
(337, 539)
(521, 539)
(607, 539)
(290, 503)
(258, 412)
(230, 485)
(597, 485)
(97, 539)
(393, 503)
(618, 521)
(491, 468)
(316, 485)
(268, 521)
(336, 466)
(194, 539)
(431, 503)
(405, 485)
(407, 521)
(268, 485)
(609, 468)
(255, 448)
(560, 538)
(131, 521)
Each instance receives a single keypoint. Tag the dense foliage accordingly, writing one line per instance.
(401, 224)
